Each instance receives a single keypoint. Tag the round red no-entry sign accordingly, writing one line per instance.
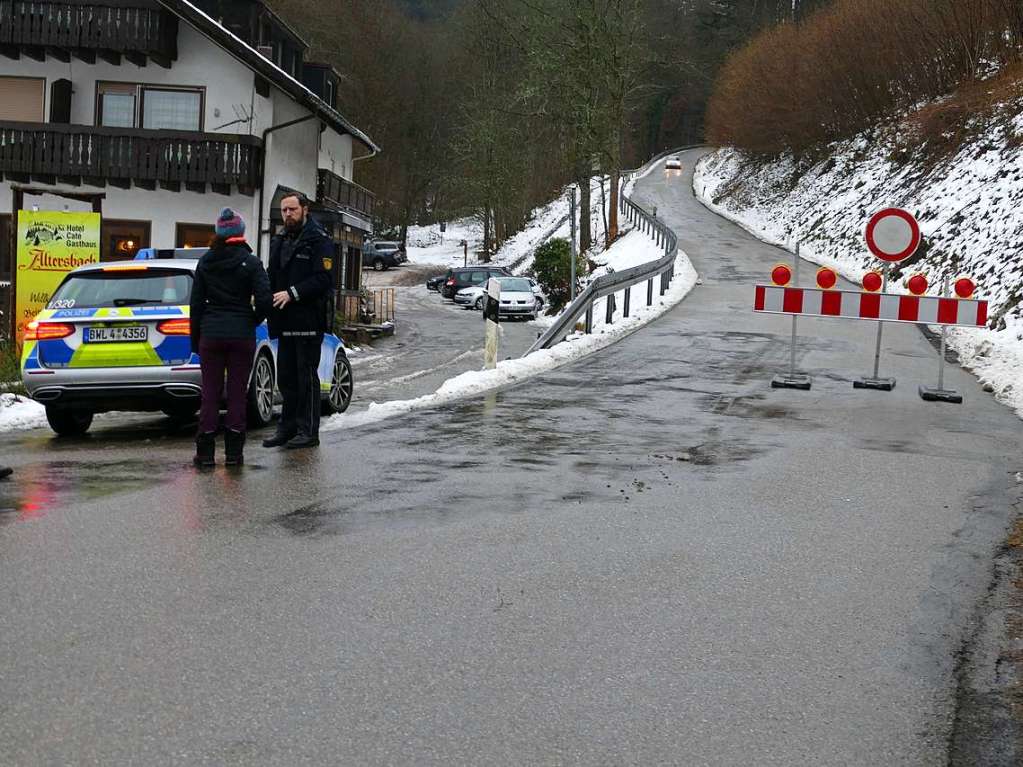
(893, 234)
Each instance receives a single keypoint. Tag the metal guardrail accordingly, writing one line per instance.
(662, 269)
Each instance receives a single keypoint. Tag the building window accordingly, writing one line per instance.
(193, 235)
(171, 109)
(120, 240)
(134, 105)
(23, 99)
(116, 104)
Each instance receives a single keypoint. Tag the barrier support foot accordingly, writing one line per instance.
(940, 395)
(791, 382)
(881, 384)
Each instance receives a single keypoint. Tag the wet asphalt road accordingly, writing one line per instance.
(649, 556)
(436, 340)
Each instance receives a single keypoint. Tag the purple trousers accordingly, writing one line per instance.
(218, 356)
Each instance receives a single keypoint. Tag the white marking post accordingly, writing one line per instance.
(491, 316)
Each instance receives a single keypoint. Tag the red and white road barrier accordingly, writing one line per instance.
(813, 302)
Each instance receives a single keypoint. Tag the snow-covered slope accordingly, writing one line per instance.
(428, 245)
(970, 208)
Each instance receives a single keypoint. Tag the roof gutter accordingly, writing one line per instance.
(262, 176)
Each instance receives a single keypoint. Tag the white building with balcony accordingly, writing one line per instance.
(157, 115)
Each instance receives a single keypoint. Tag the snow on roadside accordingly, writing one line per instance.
(18, 412)
(968, 210)
(427, 245)
(630, 250)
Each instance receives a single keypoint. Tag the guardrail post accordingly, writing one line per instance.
(609, 315)
(625, 309)
(589, 318)
(650, 291)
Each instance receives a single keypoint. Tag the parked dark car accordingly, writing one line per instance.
(434, 283)
(467, 276)
(382, 255)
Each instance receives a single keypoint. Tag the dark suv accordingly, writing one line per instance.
(383, 255)
(467, 276)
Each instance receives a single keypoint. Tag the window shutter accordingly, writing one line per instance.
(21, 98)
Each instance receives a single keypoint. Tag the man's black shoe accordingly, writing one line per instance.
(301, 441)
(278, 439)
(5, 471)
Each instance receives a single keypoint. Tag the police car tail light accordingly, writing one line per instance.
(180, 327)
(47, 331)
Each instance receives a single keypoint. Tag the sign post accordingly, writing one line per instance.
(571, 216)
(793, 380)
(964, 288)
(50, 244)
(892, 235)
(491, 316)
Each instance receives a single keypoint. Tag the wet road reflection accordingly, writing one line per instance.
(633, 557)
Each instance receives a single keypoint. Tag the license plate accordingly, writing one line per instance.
(114, 334)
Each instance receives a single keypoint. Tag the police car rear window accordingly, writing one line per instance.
(152, 287)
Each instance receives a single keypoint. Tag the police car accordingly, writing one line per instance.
(116, 336)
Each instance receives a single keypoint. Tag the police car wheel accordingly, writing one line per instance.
(342, 386)
(479, 303)
(378, 265)
(261, 393)
(68, 423)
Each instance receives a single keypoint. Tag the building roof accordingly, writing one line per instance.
(266, 68)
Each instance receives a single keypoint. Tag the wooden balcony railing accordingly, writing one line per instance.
(139, 29)
(344, 193)
(121, 156)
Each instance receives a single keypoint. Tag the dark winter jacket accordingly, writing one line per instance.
(228, 280)
(296, 265)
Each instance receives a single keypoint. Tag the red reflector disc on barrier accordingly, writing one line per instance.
(964, 287)
(781, 274)
(917, 284)
(872, 281)
(826, 278)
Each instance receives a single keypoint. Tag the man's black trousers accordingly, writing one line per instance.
(298, 358)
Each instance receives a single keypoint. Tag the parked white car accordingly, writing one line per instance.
(519, 297)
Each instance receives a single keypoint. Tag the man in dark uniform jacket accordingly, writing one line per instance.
(300, 283)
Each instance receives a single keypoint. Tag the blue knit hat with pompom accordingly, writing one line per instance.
(230, 224)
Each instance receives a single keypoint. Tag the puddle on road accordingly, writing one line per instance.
(35, 490)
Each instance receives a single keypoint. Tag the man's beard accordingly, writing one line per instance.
(293, 226)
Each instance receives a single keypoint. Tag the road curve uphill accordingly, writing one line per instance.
(646, 557)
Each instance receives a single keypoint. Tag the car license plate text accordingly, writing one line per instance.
(109, 335)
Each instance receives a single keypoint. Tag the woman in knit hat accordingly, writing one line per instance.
(230, 297)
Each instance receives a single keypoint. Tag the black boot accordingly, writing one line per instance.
(278, 439)
(234, 445)
(205, 447)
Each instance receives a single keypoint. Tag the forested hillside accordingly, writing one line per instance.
(486, 107)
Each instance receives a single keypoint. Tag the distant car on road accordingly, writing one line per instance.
(674, 162)
(467, 276)
(116, 336)
(434, 283)
(518, 298)
(382, 255)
